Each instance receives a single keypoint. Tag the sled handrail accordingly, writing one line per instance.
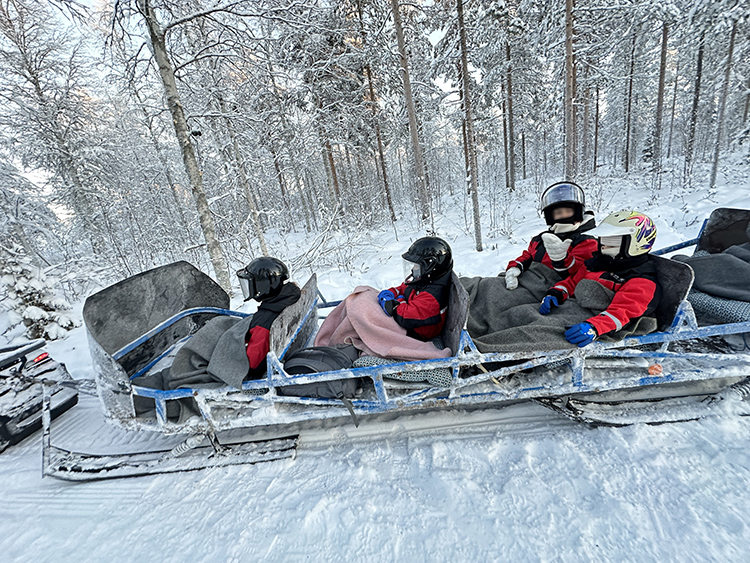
(170, 321)
(678, 246)
(681, 245)
(277, 376)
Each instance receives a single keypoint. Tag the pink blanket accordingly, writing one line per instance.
(359, 320)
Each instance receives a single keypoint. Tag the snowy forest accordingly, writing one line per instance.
(135, 133)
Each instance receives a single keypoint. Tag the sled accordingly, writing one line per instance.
(165, 306)
(24, 370)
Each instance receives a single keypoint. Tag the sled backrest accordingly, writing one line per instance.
(458, 311)
(121, 313)
(725, 227)
(676, 279)
(300, 316)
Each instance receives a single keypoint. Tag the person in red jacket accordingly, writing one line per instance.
(566, 245)
(621, 264)
(264, 281)
(420, 304)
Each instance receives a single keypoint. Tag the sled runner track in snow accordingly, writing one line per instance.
(189, 455)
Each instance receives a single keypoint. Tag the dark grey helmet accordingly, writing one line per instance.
(431, 256)
(262, 278)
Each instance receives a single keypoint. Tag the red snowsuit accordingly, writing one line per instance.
(634, 281)
(424, 309)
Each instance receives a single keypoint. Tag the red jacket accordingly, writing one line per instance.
(258, 345)
(637, 291)
(424, 309)
(582, 247)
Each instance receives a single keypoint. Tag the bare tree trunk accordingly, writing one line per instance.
(694, 110)
(656, 156)
(523, 153)
(470, 143)
(723, 105)
(586, 119)
(410, 110)
(242, 177)
(511, 135)
(571, 156)
(332, 167)
(674, 105)
(506, 145)
(628, 111)
(376, 123)
(156, 34)
(596, 130)
(279, 173)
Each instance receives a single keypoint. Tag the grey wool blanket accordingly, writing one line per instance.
(726, 274)
(214, 357)
(509, 321)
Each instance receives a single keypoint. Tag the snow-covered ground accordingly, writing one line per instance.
(521, 484)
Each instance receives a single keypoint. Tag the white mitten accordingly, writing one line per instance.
(511, 278)
(556, 248)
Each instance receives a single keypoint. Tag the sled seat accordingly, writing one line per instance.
(725, 227)
(129, 309)
(676, 279)
(287, 329)
(136, 319)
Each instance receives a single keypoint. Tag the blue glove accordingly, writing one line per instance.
(385, 296)
(581, 334)
(548, 303)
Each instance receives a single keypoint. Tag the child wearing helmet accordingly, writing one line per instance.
(420, 304)
(566, 245)
(621, 264)
(264, 280)
(227, 350)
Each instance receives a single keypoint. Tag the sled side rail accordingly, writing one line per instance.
(678, 246)
(681, 245)
(169, 322)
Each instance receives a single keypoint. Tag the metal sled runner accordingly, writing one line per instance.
(136, 326)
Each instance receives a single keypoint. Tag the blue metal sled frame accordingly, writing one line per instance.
(485, 388)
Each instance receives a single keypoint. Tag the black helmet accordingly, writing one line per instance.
(563, 194)
(262, 278)
(428, 258)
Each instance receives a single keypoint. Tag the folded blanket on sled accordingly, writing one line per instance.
(509, 321)
(214, 357)
(725, 274)
(359, 320)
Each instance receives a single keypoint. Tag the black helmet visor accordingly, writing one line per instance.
(251, 287)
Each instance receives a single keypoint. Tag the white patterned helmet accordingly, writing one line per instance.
(634, 229)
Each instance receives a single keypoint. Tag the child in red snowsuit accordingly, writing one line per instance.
(566, 245)
(623, 265)
(420, 304)
(263, 280)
